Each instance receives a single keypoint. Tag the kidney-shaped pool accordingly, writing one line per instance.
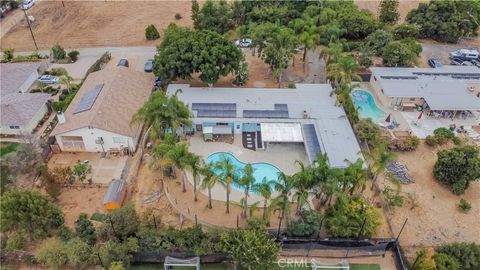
(365, 103)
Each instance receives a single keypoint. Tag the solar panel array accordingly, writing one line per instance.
(280, 111)
(311, 140)
(220, 110)
(88, 99)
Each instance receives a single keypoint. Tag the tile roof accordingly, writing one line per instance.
(13, 75)
(19, 108)
(125, 90)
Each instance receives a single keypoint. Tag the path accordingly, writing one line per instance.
(316, 67)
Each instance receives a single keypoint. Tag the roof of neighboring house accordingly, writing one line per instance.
(115, 191)
(109, 107)
(18, 109)
(13, 75)
(443, 88)
(307, 104)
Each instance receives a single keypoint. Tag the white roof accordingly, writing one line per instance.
(281, 132)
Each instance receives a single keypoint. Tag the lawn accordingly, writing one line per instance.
(353, 266)
(7, 148)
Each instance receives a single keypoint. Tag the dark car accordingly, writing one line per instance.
(122, 63)
(148, 66)
(434, 63)
(456, 61)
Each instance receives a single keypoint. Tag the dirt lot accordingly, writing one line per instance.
(436, 220)
(81, 200)
(404, 7)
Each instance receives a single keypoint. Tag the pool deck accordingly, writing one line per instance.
(282, 156)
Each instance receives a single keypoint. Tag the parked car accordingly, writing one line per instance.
(456, 61)
(48, 79)
(465, 54)
(434, 63)
(475, 63)
(243, 43)
(28, 4)
(157, 84)
(148, 66)
(467, 63)
(122, 63)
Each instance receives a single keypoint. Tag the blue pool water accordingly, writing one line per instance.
(260, 170)
(366, 106)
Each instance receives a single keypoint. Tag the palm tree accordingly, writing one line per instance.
(67, 81)
(356, 175)
(265, 189)
(162, 113)
(332, 53)
(307, 34)
(284, 186)
(209, 180)
(378, 161)
(330, 186)
(228, 175)
(343, 70)
(247, 180)
(195, 165)
(304, 181)
(173, 154)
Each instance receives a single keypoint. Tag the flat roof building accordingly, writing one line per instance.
(307, 114)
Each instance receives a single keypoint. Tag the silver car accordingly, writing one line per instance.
(148, 66)
(48, 79)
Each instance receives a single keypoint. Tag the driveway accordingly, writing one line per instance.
(441, 51)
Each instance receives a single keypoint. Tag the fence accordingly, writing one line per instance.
(159, 256)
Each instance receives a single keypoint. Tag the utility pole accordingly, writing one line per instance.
(63, 4)
(401, 230)
(30, 27)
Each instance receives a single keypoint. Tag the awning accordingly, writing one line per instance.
(281, 132)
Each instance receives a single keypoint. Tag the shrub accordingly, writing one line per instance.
(398, 54)
(15, 242)
(425, 260)
(406, 30)
(178, 16)
(74, 55)
(409, 143)
(291, 85)
(368, 131)
(443, 135)
(457, 140)
(57, 52)
(431, 140)
(464, 205)
(413, 45)
(151, 33)
(467, 255)
(351, 46)
(392, 197)
(446, 262)
(8, 54)
(84, 229)
(52, 254)
(308, 224)
(80, 254)
(378, 40)
(64, 233)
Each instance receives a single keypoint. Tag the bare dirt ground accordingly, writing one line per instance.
(75, 201)
(404, 7)
(436, 220)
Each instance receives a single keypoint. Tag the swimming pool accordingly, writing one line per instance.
(366, 106)
(260, 170)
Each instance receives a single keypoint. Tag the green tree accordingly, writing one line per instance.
(368, 131)
(446, 262)
(406, 30)
(346, 217)
(209, 180)
(359, 23)
(151, 33)
(247, 180)
(378, 40)
(355, 176)
(112, 252)
(58, 52)
(73, 55)
(307, 225)
(241, 74)
(424, 261)
(84, 229)
(228, 175)
(284, 186)
(378, 160)
(120, 223)
(467, 254)
(457, 167)
(195, 11)
(389, 11)
(307, 32)
(67, 81)
(52, 254)
(250, 249)
(344, 71)
(265, 189)
(29, 211)
(398, 54)
(79, 253)
(214, 15)
(162, 114)
(195, 164)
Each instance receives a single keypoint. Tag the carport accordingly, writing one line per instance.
(281, 133)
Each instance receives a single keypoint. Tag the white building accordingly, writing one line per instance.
(306, 115)
(98, 119)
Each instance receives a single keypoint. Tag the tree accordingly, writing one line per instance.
(52, 254)
(368, 131)
(406, 30)
(359, 23)
(84, 229)
(120, 223)
(162, 114)
(184, 51)
(67, 81)
(250, 249)
(378, 40)
(28, 154)
(446, 262)
(112, 252)
(247, 180)
(398, 54)
(446, 21)
(195, 164)
(457, 167)
(241, 74)
(346, 217)
(424, 261)
(307, 225)
(228, 175)
(7, 177)
(214, 15)
(58, 52)
(265, 189)
(151, 33)
(79, 253)
(209, 180)
(389, 11)
(307, 32)
(355, 176)
(29, 211)
(195, 11)
(344, 71)
(284, 186)
(80, 171)
(467, 254)
(50, 182)
(378, 159)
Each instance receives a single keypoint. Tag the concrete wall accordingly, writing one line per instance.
(90, 135)
(28, 82)
(26, 128)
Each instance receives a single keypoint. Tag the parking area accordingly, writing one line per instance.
(432, 49)
(103, 169)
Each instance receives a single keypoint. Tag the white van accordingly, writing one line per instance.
(465, 54)
(28, 4)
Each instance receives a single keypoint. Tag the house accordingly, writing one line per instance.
(98, 118)
(445, 90)
(115, 195)
(18, 77)
(306, 115)
(21, 112)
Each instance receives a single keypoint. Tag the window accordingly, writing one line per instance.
(221, 124)
(14, 127)
(119, 140)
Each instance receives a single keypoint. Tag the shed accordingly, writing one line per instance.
(115, 195)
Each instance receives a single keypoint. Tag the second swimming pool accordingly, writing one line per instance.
(366, 106)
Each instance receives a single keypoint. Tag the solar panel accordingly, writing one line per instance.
(88, 99)
(280, 111)
(311, 141)
(220, 110)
